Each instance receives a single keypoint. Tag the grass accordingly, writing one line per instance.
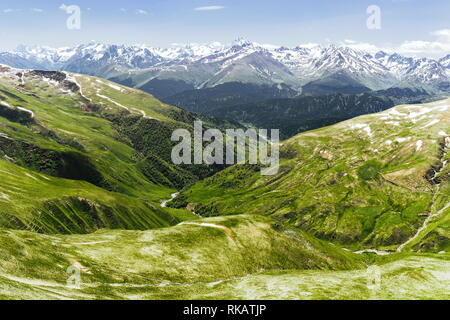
(80, 140)
(278, 237)
(360, 183)
(188, 254)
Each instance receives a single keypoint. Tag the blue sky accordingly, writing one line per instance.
(407, 24)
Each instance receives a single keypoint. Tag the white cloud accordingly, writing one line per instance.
(210, 8)
(8, 10)
(142, 12)
(310, 45)
(362, 46)
(123, 9)
(438, 48)
(441, 33)
(37, 10)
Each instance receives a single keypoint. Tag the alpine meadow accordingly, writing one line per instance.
(314, 169)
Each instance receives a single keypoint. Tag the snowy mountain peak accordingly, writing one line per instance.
(242, 42)
(294, 66)
(445, 61)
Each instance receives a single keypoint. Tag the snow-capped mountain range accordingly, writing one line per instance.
(209, 65)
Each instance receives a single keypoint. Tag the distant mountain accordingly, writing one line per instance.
(92, 58)
(226, 95)
(162, 88)
(279, 107)
(445, 61)
(249, 62)
(336, 83)
(296, 115)
(204, 66)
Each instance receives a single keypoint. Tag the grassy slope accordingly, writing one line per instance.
(359, 183)
(66, 123)
(197, 252)
(414, 277)
(90, 127)
(249, 260)
(244, 256)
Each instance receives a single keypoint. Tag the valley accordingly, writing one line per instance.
(365, 183)
(87, 182)
(225, 159)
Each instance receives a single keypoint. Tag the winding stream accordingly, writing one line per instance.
(165, 202)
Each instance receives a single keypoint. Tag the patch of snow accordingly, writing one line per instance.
(5, 136)
(29, 175)
(4, 197)
(358, 126)
(415, 120)
(115, 87)
(401, 140)
(362, 126)
(74, 80)
(26, 110)
(393, 123)
(432, 123)
(6, 104)
(419, 145)
(208, 225)
(19, 108)
(422, 112)
(395, 112)
(50, 81)
(380, 253)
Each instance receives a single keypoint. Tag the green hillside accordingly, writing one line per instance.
(242, 257)
(194, 252)
(79, 154)
(365, 183)
(85, 174)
